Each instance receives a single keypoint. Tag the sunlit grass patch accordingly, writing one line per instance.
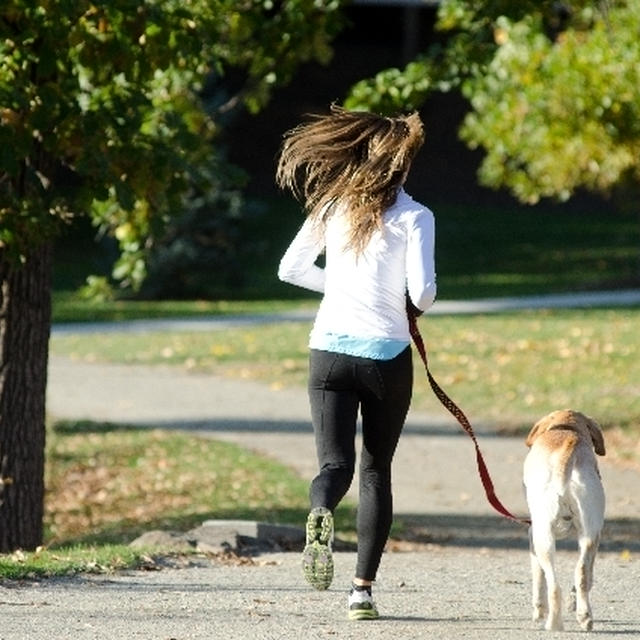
(44, 563)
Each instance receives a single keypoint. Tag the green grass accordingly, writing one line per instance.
(106, 485)
(69, 307)
(504, 370)
(513, 251)
(46, 563)
(480, 252)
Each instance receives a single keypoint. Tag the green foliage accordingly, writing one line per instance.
(202, 253)
(555, 116)
(102, 105)
(269, 39)
(96, 290)
(394, 90)
(553, 89)
(466, 48)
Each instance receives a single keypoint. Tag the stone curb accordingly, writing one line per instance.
(225, 536)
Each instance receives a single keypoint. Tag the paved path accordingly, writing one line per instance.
(442, 593)
(472, 582)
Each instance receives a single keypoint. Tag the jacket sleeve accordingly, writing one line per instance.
(297, 265)
(421, 273)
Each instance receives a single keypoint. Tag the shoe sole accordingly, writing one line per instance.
(317, 561)
(320, 527)
(363, 614)
(317, 565)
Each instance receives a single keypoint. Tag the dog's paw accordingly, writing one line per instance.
(585, 621)
(554, 624)
(539, 613)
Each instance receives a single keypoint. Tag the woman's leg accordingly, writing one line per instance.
(385, 396)
(334, 411)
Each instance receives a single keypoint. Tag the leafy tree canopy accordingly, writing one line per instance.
(554, 90)
(102, 107)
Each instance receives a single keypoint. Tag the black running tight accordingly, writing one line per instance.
(339, 385)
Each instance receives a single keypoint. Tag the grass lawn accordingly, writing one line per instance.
(532, 251)
(505, 370)
(106, 485)
(68, 307)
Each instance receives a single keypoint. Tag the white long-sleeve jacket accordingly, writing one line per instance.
(364, 296)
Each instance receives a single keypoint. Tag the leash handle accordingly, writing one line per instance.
(459, 415)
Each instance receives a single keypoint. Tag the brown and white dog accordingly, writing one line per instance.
(565, 495)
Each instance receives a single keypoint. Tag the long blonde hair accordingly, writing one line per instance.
(355, 159)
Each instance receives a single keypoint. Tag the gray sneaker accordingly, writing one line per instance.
(317, 562)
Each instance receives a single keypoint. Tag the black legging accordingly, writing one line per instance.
(339, 384)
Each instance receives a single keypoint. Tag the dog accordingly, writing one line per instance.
(565, 496)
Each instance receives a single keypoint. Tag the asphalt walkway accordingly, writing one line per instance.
(472, 581)
(442, 593)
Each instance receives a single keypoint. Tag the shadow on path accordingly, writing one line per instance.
(494, 532)
(253, 425)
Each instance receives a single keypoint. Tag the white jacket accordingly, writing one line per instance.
(364, 296)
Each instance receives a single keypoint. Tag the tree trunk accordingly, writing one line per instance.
(25, 320)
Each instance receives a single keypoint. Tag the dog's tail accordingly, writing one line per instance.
(563, 466)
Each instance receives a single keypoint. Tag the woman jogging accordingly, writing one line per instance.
(348, 169)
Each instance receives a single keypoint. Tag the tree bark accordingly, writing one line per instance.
(25, 321)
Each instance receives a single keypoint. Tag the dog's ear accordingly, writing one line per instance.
(596, 436)
(536, 430)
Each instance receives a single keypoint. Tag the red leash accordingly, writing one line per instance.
(458, 414)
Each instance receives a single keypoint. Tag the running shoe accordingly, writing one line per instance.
(361, 604)
(317, 561)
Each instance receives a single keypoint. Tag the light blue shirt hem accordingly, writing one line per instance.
(374, 348)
